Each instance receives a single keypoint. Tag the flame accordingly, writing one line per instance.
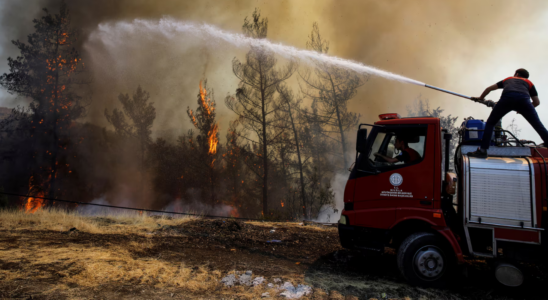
(234, 212)
(212, 139)
(208, 110)
(34, 204)
(206, 103)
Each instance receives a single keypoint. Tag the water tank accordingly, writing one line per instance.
(471, 137)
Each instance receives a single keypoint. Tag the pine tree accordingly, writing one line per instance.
(48, 72)
(254, 102)
(330, 89)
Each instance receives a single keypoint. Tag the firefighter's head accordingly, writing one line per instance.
(401, 143)
(521, 73)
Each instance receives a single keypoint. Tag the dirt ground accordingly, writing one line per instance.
(186, 260)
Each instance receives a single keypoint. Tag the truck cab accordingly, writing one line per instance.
(436, 217)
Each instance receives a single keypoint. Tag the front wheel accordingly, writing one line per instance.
(423, 259)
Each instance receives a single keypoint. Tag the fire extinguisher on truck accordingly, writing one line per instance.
(436, 218)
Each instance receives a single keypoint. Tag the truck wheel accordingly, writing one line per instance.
(424, 260)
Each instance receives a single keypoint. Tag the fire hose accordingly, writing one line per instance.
(488, 103)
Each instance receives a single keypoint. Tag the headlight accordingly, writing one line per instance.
(343, 220)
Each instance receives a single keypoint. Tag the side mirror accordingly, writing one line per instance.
(361, 141)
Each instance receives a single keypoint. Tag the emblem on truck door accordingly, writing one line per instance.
(396, 179)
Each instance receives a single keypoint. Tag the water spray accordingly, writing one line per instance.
(112, 36)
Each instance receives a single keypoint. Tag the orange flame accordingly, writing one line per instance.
(212, 139)
(234, 212)
(208, 110)
(34, 204)
(206, 103)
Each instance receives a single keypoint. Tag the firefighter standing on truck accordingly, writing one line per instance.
(515, 96)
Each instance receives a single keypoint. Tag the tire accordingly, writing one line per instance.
(425, 260)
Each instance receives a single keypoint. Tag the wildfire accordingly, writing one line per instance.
(234, 212)
(34, 204)
(208, 109)
(212, 139)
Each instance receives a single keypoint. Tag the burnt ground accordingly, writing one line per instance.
(306, 254)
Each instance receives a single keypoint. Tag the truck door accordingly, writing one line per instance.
(400, 178)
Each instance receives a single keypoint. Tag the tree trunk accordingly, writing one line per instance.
(265, 160)
(142, 170)
(303, 197)
(339, 122)
(54, 133)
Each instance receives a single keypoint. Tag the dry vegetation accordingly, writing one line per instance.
(62, 220)
(150, 257)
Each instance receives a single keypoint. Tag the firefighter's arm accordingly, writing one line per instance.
(488, 90)
(536, 101)
(386, 158)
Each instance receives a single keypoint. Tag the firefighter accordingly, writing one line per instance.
(408, 155)
(515, 96)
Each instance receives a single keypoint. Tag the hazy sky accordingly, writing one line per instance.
(462, 46)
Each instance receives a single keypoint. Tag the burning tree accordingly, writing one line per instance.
(254, 99)
(330, 90)
(46, 71)
(207, 141)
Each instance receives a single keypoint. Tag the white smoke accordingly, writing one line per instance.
(177, 205)
(198, 208)
(332, 213)
(97, 210)
(113, 35)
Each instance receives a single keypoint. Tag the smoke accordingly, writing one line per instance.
(332, 213)
(93, 210)
(197, 207)
(177, 205)
(462, 46)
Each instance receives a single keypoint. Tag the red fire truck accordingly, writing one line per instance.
(493, 208)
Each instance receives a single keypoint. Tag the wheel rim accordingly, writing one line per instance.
(429, 263)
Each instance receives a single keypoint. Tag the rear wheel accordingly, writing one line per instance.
(423, 259)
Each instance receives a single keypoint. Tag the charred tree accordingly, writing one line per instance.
(48, 71)
(330, 89)
(290, 106)
(254, 99)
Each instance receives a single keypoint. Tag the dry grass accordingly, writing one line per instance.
(88, 266)
(60, 220)
(95, 266)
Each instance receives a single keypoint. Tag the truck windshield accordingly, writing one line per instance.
(396, 146)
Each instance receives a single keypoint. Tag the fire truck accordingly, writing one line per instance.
(442, 208)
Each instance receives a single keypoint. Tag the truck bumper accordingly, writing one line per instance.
(362, 238)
